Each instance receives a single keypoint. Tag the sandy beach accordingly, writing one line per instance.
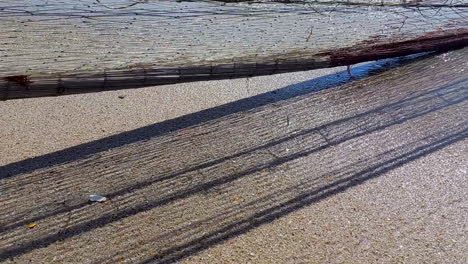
(309, 167)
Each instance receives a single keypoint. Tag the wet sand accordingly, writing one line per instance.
(358, 173)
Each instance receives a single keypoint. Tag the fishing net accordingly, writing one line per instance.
(74, 46)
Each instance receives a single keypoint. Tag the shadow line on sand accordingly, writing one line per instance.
(268, 215)
(85, 150)
(412, 108)
(414, 105)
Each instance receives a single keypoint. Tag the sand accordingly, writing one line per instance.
(351, 174)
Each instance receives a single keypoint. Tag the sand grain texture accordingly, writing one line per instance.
(373, 171)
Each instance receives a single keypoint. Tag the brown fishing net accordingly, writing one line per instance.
(74, 46)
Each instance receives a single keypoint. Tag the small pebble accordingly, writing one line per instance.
(97, 198)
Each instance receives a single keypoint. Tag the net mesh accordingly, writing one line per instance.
(70, 46)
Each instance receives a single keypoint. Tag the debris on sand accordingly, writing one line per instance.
(97, 198)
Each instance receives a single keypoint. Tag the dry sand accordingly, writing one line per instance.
(34, 127)
(352, 174)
